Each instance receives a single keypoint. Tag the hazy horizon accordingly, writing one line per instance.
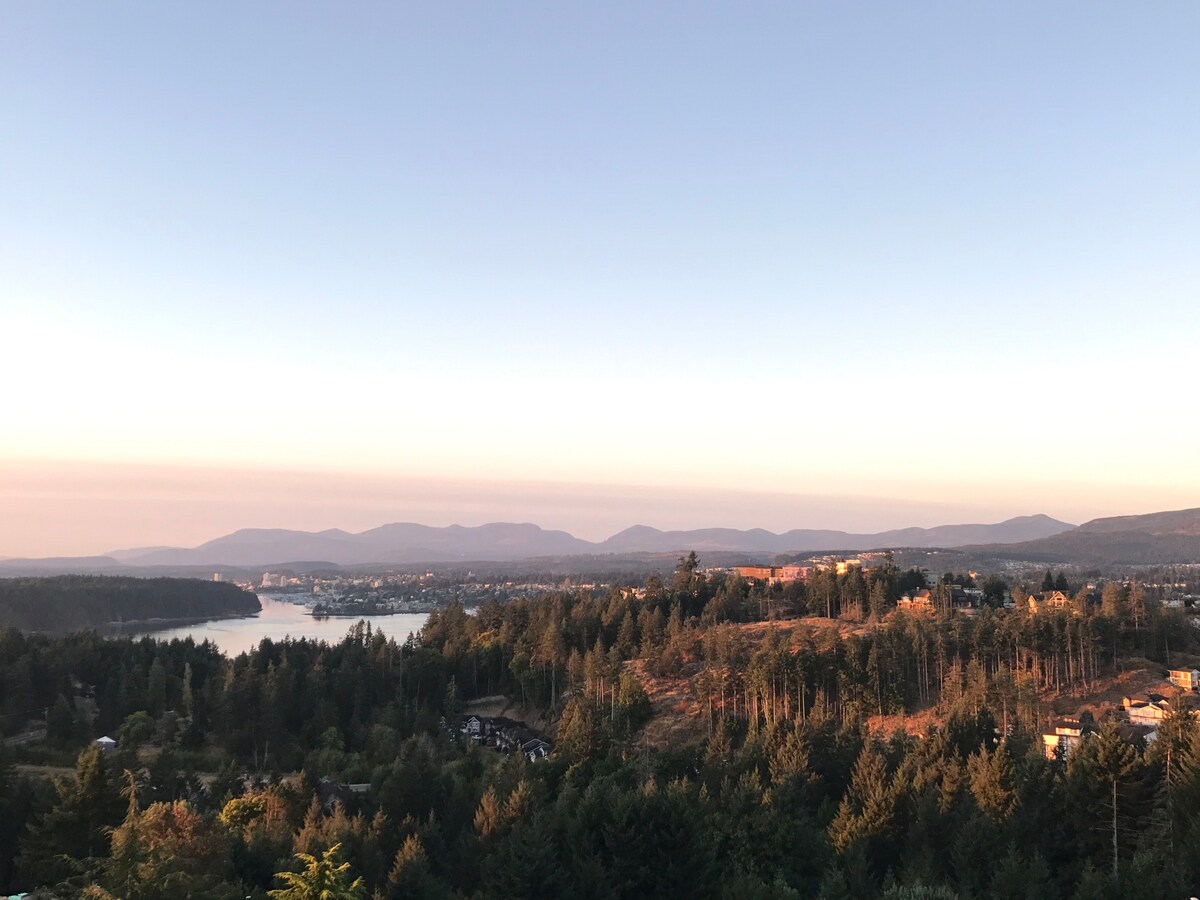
(76, 510)
(810, 266)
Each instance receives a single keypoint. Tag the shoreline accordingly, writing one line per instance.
(372, 614)
(165, 624)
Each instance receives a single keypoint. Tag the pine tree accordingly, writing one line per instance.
(60, 723)
(326, 878)
(168, 845)
(1109, 786)
(156, 689)
(992, 777)
(516, 807)
(75, 831)
(866, 815)
(409, 874)
(489, 817)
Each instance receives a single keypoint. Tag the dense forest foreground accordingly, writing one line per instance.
(304, 767)
(66, 603)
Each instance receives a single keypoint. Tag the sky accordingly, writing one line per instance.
(858, 265)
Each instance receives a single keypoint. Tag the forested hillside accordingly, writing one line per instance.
(68, 602)
(786, 794)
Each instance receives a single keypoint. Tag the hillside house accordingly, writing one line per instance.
(1187, 679)
(759, 573)
(967, 598)
(1048, 600)
(536, 749)
(106, 744)
(1067, 734)
(845, 565)
(1138, 735)
(1063, 737)
(506, 735)
(774, 574)
(333, 794)
(1146, 709)
(917, 601)
(787, 574)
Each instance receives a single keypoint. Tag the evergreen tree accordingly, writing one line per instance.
(409, 877)
(73, 835)
(866, 818)
(1111, 795)
(326, 878)
(168, 850)
(60, 723)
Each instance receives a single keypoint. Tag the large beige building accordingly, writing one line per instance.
(774, 574)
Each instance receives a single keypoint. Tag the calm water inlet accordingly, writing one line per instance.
(279, 619)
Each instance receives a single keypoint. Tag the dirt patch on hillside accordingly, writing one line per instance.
(678, 718)
(1138, 676)
(790, 627)
(916, 724)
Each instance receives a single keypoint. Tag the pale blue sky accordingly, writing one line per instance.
(517, 240)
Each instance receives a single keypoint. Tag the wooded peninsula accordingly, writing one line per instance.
(66, 603)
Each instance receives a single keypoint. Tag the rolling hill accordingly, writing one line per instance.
(1150, 539)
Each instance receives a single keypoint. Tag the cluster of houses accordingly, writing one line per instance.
(774, 574)
(789, 573)
(923, 600)
(1145, 712)
(966, 599)
(505, 736)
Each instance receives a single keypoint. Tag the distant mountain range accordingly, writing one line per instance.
(1155, 538)
(1151, 539)
(406, 543)
(641, 538)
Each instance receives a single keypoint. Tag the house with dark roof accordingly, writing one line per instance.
(1047, 600)
(1063, 737)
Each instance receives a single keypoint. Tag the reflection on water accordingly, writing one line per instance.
(280, 618)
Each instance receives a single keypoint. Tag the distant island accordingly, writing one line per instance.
(67, 603)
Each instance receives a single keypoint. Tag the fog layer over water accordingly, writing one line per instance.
(280, 618)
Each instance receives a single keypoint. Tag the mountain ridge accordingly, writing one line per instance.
(1159, 538)
(410, 542)
(1152, 538)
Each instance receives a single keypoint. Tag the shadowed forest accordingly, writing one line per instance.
(220, 783)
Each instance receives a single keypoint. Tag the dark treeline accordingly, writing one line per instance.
(68, 602)
(782, 794)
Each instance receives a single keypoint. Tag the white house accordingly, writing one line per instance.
(106, 744)
(1146, 709)
(1066, 735)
